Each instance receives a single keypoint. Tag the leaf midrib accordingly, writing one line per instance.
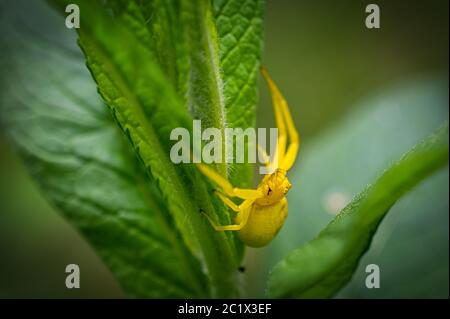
(216, 114)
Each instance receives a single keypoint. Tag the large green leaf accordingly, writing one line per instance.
(146, 108)
(81, 160)
(321, 267)
(157, 66)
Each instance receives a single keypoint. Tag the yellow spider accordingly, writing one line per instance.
(264, 209)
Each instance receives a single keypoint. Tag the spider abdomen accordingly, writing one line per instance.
(263, 223)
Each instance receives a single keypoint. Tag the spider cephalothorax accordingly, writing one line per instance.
(274, 188)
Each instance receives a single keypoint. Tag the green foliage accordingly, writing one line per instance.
(321, 267)
(156, 66)
(101, 156)
(239, 28)
(349, 155)
(87, 170)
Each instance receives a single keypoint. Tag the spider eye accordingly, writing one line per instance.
(269, 191)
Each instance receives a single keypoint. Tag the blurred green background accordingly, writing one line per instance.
(360, 99)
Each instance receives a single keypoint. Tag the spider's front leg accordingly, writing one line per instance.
(228, 202)
(284, 122)
(243, 210)
(250, 195)
(227, 188)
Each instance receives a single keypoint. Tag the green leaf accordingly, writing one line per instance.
(240, 32)
(157, 65)
(124, 71)
(321, 267)
(197, 36)
(205, 96)
(85, 167)
(224, 41)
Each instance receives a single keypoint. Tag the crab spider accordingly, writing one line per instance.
(263, 211)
